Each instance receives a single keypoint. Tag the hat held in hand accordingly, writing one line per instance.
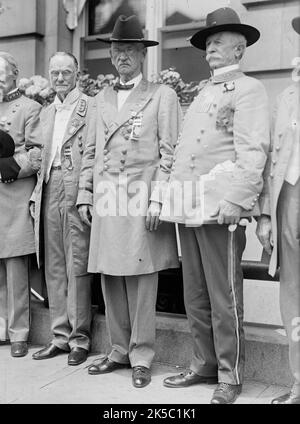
(7, 145)
(224, 19)
(128, 30)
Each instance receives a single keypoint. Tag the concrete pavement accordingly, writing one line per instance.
(52, 381)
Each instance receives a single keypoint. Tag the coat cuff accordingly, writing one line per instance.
(84, 197)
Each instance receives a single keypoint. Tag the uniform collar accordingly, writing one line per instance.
(12, 95)
(227, 73)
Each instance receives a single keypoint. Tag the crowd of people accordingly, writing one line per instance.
(85, 184)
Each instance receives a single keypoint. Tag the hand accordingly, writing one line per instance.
(264, 233)
(152, 217)
(32, 209)
(86, 213)
(228, 213)
(35, 157)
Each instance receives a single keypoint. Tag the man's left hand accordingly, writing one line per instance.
(152, 217)
(228, 213)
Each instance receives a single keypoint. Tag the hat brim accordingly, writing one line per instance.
(147, 43)
(296, 24)
(7, 145)
(251, 34)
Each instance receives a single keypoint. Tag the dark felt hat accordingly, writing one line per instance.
(296, 24)
(224, 19)
(7, 145)
(128, 30)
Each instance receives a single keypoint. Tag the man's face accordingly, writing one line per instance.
(128, 59)
(221, 50)
(7, 77)
(63, 75)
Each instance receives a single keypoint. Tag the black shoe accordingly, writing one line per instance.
(48, 352)
(290, 398)
(77, 356)
(226, 393)
(187, 379)
(18, 349)
(141, 376)
(105, 366)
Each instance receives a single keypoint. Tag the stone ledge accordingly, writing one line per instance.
(266, 347)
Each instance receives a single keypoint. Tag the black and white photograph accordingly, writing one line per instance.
(149, 206)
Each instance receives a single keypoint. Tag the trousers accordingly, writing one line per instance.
(69, 295)
(213, 297)
(288, 216)
(14, 299)
(130, 315)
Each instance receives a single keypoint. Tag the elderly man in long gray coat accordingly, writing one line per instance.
(19, 127)
(279, 225)
(66, 238)
(131, 149)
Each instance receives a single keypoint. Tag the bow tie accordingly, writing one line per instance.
(119, 86)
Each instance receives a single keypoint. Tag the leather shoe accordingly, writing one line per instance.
(18, 349)
(48, 352)
(187, 379)
(226, 393)
(141, 376)
(290, 398)
(105, 366)
(77, 356)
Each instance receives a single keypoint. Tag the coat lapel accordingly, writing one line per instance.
(76, 121)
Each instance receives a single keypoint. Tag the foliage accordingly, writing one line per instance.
(38, 88)
(185, 91)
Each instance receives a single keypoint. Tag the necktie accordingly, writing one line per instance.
(119, 86)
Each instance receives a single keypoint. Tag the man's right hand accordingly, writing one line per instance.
(264, 233)
(86, 213)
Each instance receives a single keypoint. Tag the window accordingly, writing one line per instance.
(103, 13)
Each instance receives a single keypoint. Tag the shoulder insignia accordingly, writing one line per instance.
(82, 107)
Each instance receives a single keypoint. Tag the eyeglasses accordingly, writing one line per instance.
(66, 74)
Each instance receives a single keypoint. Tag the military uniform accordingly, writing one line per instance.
(130, 147)
(65, 238)
(19, 117)
(228, 120)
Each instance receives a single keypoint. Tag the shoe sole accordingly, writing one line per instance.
(19, 355)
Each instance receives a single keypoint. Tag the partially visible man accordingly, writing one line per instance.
(126, 163)
(278, 227)
(19, 162)
(226, 124)
(66, 238)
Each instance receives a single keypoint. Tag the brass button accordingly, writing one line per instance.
(124, 152)
(271, 175)
(105, 159)
(193, 156)
(80, 136)
(105, 168)
(192, 166)
(277, 147)
(202, 131)
(126, 136)
(122, 168)
(105, 151)
(122, 161)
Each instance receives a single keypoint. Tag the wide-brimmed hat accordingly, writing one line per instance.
(296, 24)
(224, 19)
(128, 30)
(7, 145)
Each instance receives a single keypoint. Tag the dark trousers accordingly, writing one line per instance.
(213, 295)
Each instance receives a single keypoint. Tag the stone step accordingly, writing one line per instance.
(266, 346)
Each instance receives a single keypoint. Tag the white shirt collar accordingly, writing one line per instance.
(71, 97)
(134, 81)
(226, 69)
